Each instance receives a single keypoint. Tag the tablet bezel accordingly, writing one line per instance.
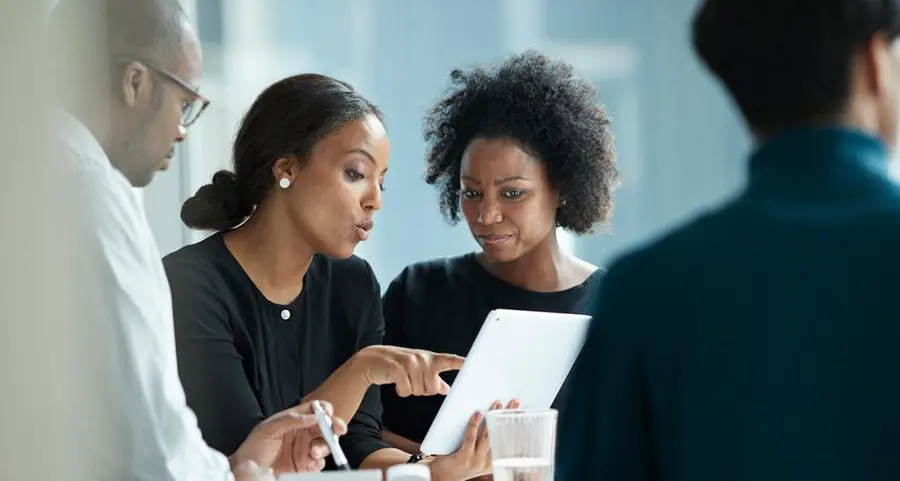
(496, 330)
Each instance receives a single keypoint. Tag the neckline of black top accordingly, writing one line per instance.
(235, 266)
(479, 270)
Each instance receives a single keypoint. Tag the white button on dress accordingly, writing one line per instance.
(285, 314)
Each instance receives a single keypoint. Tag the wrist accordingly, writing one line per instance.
(250, 471)
(234, 461)
(436, 472)
(440, 471)
(421, 458)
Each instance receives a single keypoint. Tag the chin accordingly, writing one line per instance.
(340, 252)
(500, 255)
(141, 180)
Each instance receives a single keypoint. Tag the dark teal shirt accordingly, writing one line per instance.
(759, 342)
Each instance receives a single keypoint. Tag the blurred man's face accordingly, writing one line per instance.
(878, 87)
(892, 102)
(157, 101)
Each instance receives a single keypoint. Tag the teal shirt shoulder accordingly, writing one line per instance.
(759, 341)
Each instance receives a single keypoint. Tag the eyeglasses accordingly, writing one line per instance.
(190, 109)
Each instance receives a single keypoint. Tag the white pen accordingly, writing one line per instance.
(330, 438)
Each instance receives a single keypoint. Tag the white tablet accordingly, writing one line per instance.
(524, 355)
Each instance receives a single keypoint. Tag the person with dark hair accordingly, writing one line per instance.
(274, 309)
(518, 151)
(759, 341)
(132, 68)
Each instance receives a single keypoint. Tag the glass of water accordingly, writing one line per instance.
(523, 443)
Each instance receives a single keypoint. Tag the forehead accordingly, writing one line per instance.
(189, 60)
(367, 134)
(498, 158)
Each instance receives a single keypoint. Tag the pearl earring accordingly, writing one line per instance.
(284, 183)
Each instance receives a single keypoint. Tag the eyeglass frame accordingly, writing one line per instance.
(204, 102)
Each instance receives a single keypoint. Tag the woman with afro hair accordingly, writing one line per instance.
(517, 151)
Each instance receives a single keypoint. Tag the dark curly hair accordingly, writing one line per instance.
(551, 113)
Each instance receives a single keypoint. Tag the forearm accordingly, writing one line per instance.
(345, 388)
(385, 458)
(400, 442)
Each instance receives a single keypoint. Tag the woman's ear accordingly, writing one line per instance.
(284, 168)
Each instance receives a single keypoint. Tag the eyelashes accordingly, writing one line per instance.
(356, 176)
(510, 194)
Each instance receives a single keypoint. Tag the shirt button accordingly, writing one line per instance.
(285, 314)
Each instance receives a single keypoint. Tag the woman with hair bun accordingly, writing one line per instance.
(274, 308)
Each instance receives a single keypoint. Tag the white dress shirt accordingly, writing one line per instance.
(139, 426)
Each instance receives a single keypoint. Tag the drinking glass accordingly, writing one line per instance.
(523, 443)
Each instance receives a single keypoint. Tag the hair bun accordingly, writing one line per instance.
(217, 205)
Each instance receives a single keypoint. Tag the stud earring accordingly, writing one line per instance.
(284, 183)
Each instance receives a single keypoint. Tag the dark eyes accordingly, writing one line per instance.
(355, 176)
(508, 193)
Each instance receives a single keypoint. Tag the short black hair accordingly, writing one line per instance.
(540, 104)
(788, 62)
(287, 119)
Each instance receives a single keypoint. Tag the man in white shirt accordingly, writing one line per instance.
(128, 98)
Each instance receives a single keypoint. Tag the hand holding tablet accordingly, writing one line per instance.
(473, 458)
(522, 355)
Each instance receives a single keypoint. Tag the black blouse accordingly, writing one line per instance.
(440, 305)
(242, 358)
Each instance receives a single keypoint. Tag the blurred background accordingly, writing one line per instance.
(680, 142)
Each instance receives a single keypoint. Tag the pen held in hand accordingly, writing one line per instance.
(340, 460)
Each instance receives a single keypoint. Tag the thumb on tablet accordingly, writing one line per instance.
(448, 362)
